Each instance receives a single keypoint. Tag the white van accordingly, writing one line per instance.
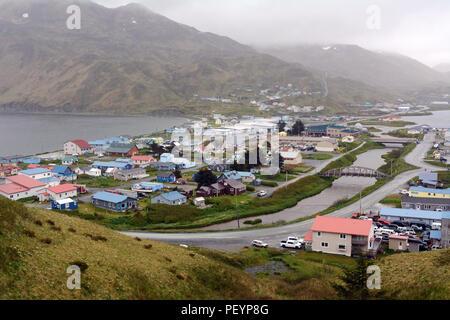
(388, 231)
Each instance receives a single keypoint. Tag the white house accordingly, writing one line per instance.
(62, 191)
(20, 187)
(77, 147)
(38, 173)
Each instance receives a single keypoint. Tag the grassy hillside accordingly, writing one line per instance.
(37, 246)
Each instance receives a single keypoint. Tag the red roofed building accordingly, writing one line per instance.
(8, 171)
(77, 147)
(63, 191)
(20, 187)
(140, 160)
(342, 236)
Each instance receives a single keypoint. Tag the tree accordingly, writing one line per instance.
(157, 149)
(297, 128)
(281, 126)
(205, 177)
(355, 283)
(177, 174)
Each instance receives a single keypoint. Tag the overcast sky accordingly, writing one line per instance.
(417, 28)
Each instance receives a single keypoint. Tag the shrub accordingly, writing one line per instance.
(269, 184)
(253, 222)
(46, 241)
(250, 188)
(72, 230)
(55, 228)
(38, 223)
(137, 239)
(50, 222)
(168, 259)
(99, 238)
(29, 233)
(82, 265)
(148, 246)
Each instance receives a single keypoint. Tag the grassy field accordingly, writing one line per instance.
(98, 182)
(398, 124)
(393, 199)
(37, 246)
(403, 133)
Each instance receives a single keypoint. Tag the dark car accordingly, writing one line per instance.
(399, 223)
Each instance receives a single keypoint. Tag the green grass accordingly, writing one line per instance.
(389, 123)
(98, 182)
(281, 177)
(403, 133)
(393, 199)
(437, 163)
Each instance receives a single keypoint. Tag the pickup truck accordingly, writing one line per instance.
(293, 244)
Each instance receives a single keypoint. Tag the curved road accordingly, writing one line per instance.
(235, 240)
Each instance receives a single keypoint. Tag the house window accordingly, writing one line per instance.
(324, 244)
(318, 234)
(342, 247)
(342, 236)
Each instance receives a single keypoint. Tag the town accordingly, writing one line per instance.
(144, 184)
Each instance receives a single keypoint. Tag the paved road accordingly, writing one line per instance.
(235, 240)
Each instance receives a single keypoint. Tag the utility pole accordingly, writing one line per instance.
(360, 202)
(237, 213)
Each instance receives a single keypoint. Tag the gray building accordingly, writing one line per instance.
(430, 204)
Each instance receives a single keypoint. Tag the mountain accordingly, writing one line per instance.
(382, 70)
(129, 60)
(442, 67)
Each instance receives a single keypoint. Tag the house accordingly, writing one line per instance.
(242, 176)
(11, 160)
(293, 158)
(234, 187)
(122, 150)
(343, 236)
(125, 175)
(429, 179)
(20, 187)
(38, 173)
(148, 186)
(199, 202)
(168, 177)
(163, 166)
(51, 181)
(166, 157)
(77, 147)
(93, 172)
(101, 145)
(69, 161)
(398, 243)
(171, 198)
(8, 171)
(391, 118)
(64, 173)
(103, 166)
(436, 237)
(114, 202)
(142, 160)
(62, 191)
(65, 204)
(431, 204)
(411, 215)
(423, 192)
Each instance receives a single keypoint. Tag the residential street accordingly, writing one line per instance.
(235, 240)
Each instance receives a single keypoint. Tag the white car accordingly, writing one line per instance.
(262, 193)
(404, 192)
(259, 244)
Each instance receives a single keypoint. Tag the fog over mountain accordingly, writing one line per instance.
(419, 29)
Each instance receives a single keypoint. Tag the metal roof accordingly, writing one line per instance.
(31, 172)
(426, 200)
(172, 196)
(435, 234)
(109, 197)
(430, 190)
(411, 213)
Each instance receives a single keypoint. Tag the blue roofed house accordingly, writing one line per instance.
(168, 177)
(64, 173)
(166, 157)
(114, 202)
(37, 173)
(64, 204)
(172, 198)
(149, 186)
(11, 159)
(435, 237)
(111, 165)
(163, 166)
(429, 179)
(241, 176)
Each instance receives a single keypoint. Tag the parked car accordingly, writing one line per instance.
(435, 247)
(291, 244)
(261, 194)
(259, 244)
(404, 192)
